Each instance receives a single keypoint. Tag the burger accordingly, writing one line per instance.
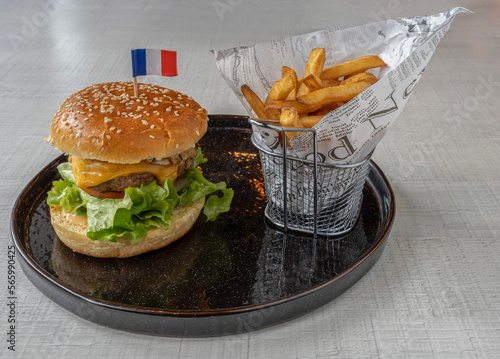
(131, 183)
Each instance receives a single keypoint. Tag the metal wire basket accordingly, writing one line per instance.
(308, 196)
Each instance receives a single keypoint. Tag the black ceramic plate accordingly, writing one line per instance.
(233, 275)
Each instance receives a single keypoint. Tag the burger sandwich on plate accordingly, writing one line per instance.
(132, 182)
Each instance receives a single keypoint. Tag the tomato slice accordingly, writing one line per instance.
(115, 195)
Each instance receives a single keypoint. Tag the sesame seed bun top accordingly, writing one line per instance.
(107, 122)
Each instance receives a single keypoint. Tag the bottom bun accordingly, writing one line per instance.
(75, 236)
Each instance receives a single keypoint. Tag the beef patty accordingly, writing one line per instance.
(185, 160)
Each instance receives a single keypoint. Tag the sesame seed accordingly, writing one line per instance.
(107, 119)
(111, 128)
(177, 146)
(102, 149)
(152, 126)
(86, 118)
(145, 122)
(118, 131)
(197, 133)
(151, 136)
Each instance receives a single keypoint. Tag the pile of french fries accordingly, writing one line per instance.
(302, 102)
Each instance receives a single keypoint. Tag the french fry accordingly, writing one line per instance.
(313, 82)
(280, 90)
(301, 108)
(314, 117)
(352, 67)
(310, 121)
(362, 76)
(254, 101)
(292, 95)
(290, 118)
(315, 62)
(329, 107)
(328, 95)
(273, 114)
(287, 71)
(330, 82)
(314, 66)
(303, 90)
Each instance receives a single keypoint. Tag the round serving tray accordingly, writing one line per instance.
(233, 275)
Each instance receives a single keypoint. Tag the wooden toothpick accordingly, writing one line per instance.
(136, 88)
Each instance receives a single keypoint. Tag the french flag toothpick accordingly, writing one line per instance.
(153, 62)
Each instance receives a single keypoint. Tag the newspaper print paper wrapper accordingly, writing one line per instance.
(350, 133)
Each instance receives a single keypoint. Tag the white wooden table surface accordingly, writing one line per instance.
(435, 292)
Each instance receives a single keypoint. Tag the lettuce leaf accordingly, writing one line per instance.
(217, 205)
(141, 208)
(67, 195)
(199, 158)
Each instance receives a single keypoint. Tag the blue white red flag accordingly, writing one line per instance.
(154, 62)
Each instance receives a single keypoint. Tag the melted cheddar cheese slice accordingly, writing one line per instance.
(90, 173)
